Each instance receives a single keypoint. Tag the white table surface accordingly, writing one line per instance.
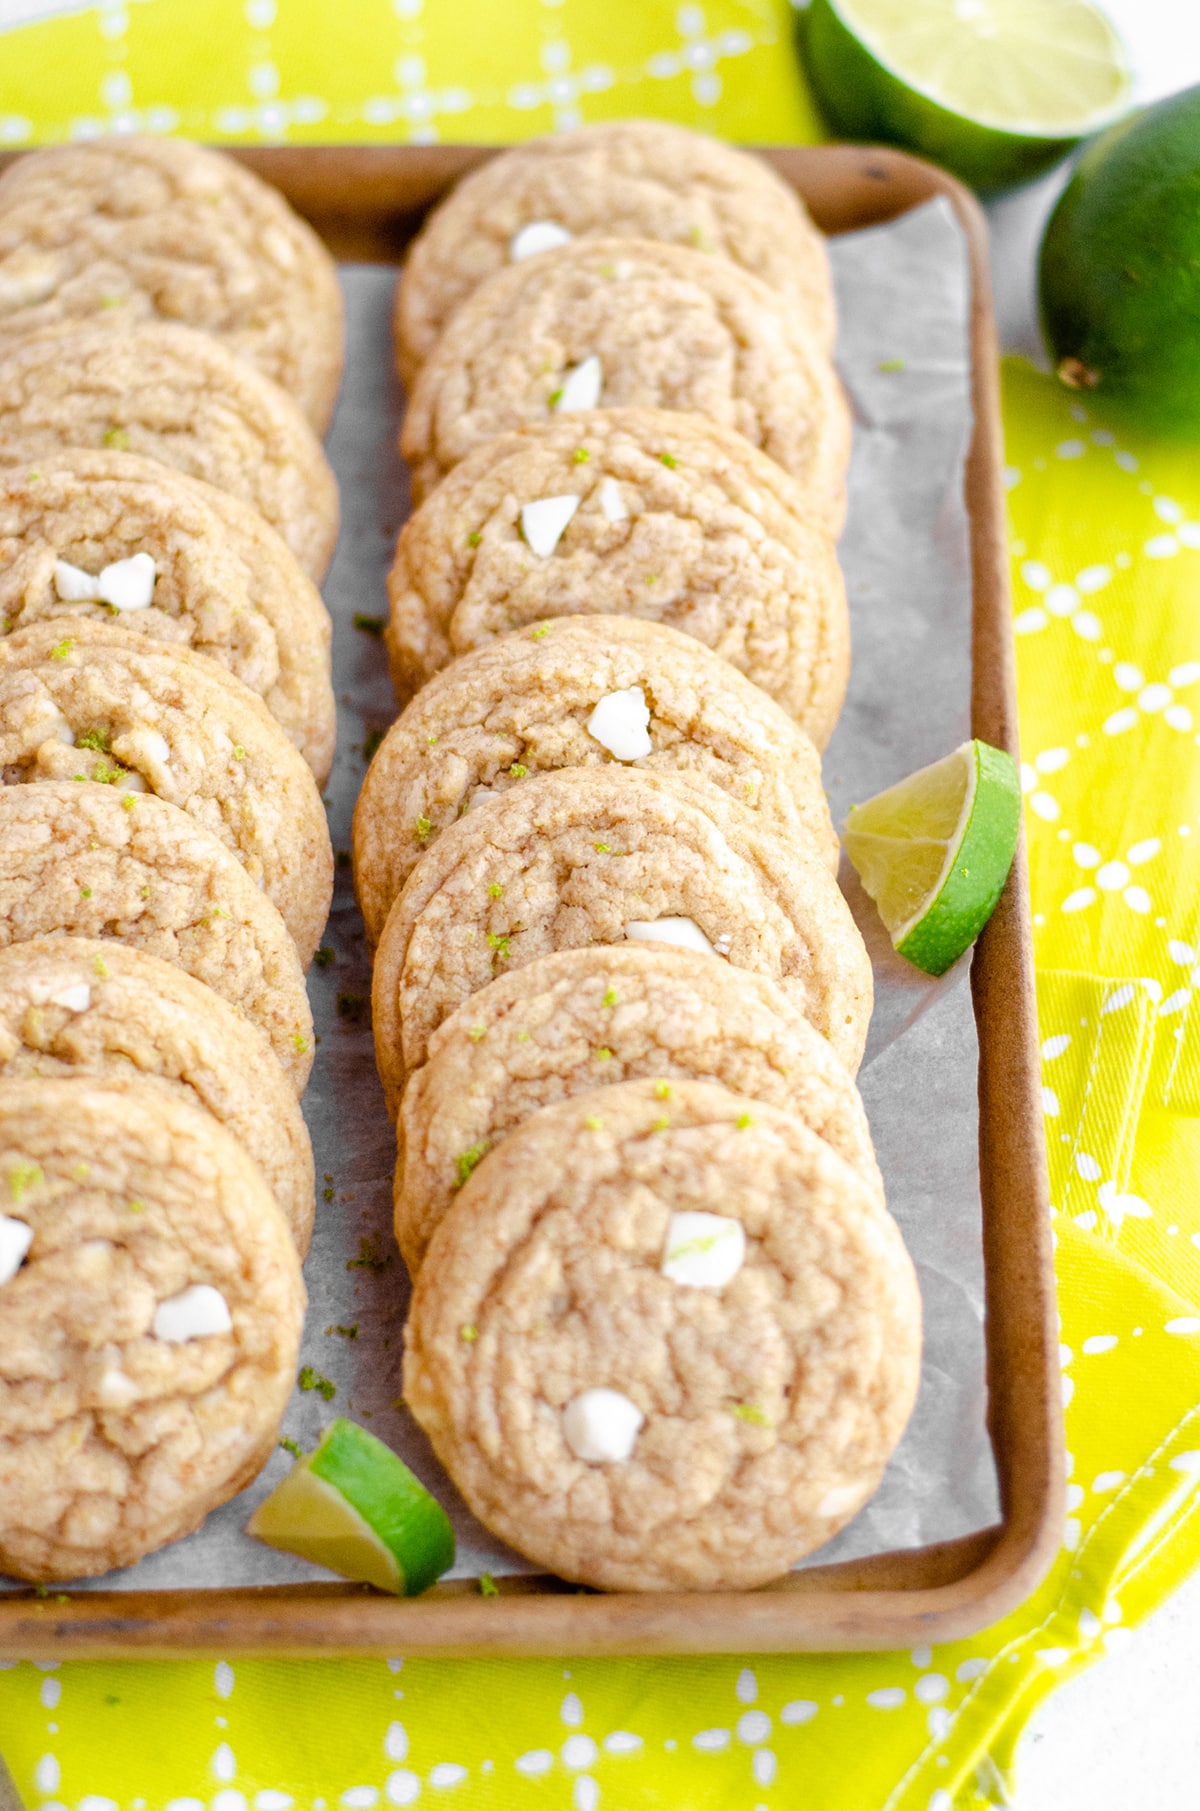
(1124, 1736)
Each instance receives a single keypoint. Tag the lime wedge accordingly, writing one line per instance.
(934, 851)
(996, 90)
(353, 1506)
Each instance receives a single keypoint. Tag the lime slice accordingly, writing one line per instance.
(934, 851)
(353, 1506)
(994, 89)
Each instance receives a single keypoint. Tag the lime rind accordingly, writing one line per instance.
(354, 1506)
(913, 98)
(950, 902)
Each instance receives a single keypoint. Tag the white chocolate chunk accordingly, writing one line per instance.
(192, 1314)
(612, 502)
(76, 998)
(841, 1498)
(150, 743)
(545, 522)
(480, 796)
(537, 236)
(15, 1239)
(116, 1391)
(129, 584)
(72, 585)
(621, 723)
(599, 1425)
(703, 1251)
(683, 931)
(581, 387)
(723, 944)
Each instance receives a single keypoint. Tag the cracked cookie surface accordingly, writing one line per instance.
(755, 1413)
(148, 1339)
(137, 228)
(520, 706)
(223, 581)
(78, 859)
(95, 1008)
(670, 329)
(180, 397)
(641, 179)
(716, 543)
(574, 858)
(86, 701)
(591, 1017)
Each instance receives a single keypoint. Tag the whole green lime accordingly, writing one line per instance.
(1119, 274)
(996, 90)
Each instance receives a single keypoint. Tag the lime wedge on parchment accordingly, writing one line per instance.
(934, 851)
(996, 90)
(353, 1506)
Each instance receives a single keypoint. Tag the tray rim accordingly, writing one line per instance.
(359, 196)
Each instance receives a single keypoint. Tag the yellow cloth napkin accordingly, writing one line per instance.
(1106, 561)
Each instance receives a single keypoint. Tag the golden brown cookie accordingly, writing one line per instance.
(86, 701)
(590, 691)
(636, 178)
(83, 859)
(182, 398)
(714, 543)
(664, 1345)
(590, 1017)
(184, 562)
(93, 1007)
(133, 228)
(625, 323)
(604, 856)
(150, 1316)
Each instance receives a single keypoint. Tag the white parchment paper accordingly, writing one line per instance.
(903, 296)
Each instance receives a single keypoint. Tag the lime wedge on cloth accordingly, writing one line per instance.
(934, 851)
(353, 1506)
(995, 90)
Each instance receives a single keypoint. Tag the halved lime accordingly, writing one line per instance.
(353, 1506)
(934, 851)
(994, 89)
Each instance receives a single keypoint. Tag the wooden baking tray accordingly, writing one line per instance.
(366, 202)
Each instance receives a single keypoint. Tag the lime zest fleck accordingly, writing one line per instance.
(371, 742)
(325, 957)
(431, 741)
(555, 398)
(750, 1411)
(488, 1586)
(890, 364)
(662, 1090)
(661, 1124)
(498, 942)
(341, 858)
(474, 538)
(100, 967)
(580, 456)
(136, 1206)
(299, 1042)
(593, 1124)
(469, 1333)
(129, 801)
(537, 634)
(327, 1193)
(351, 1006)
(350, 1332)
(744, 1120)
(610, 998)
(370, 625)
(602, 848)
(99, 739)
(239, 753)
(313, 1380)
(81, 1171)
(62, 648)
(422, 830)
(476, 1032)
(495, 891)
(669, 460)
(85, 892)
(22, 1177)
(118, 438)
(465, 1162)
(603, 1054)
(291, 1446)
(518, 771)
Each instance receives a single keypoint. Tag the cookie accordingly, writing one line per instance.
(88, 861)
(639, 179)
(209, 574)
(664, 1345)
(86, 700)
(129, 228)
(569, 859)
(150, 1316)
(92, 1007)
(586, 1017)
(714, 543)
(177, 396)
(589, 692)
(621, 323)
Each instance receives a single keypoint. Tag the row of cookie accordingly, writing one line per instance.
(625, 423)
(164, 685)
(158, 298)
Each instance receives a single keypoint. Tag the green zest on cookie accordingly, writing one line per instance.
(354, 1507)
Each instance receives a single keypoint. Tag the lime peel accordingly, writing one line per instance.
(353, 1506)
(934, 851)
